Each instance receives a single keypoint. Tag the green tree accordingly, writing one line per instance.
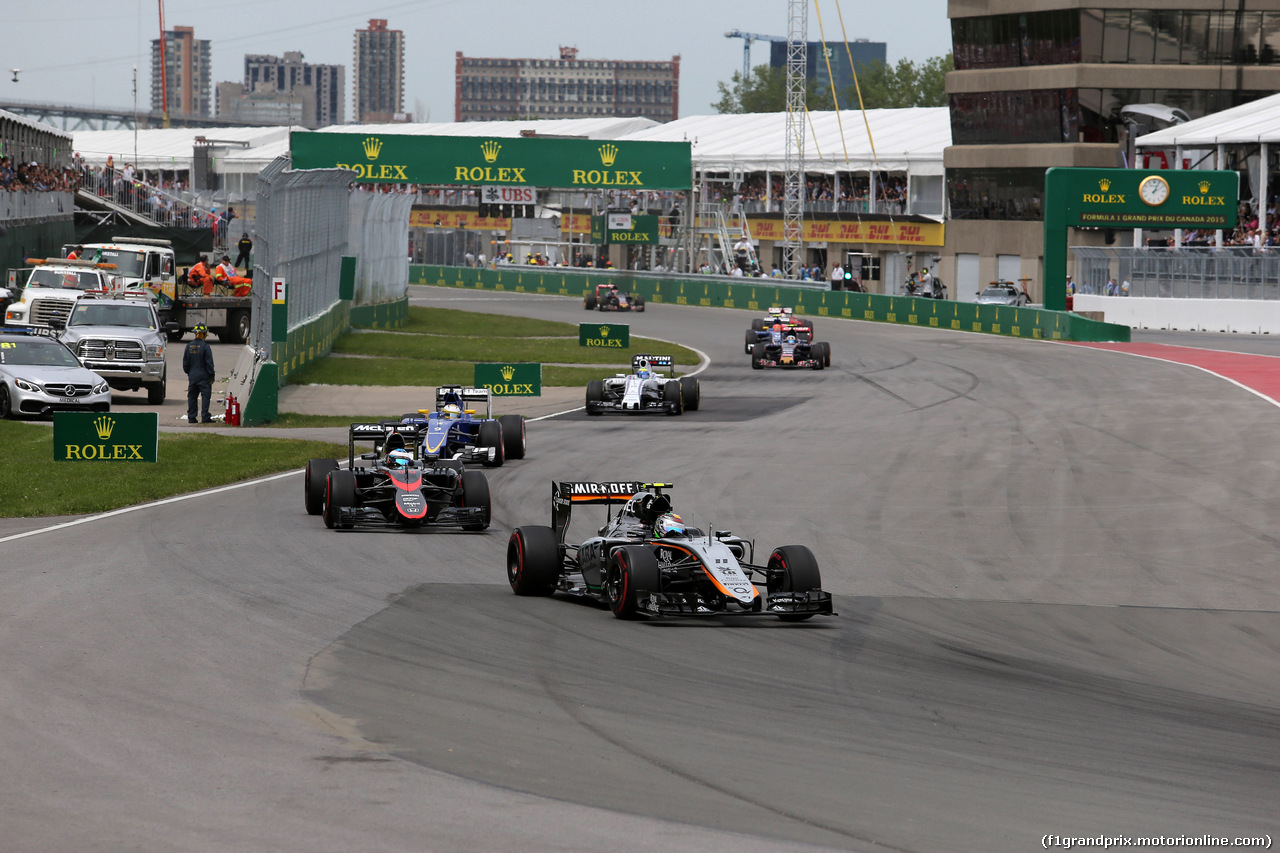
(883, 87)
(765, 91)
(903, 85)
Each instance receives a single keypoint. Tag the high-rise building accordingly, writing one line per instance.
(862, 51)
(378, 80)
(489, 89)
(186, 79)
(322, 86)
(1042, 83)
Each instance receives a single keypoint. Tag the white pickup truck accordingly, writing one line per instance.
(53, 288)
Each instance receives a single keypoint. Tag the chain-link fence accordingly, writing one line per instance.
(303, 225)
(1189, 272)
(378, 239)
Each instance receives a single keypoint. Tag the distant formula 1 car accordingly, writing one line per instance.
(453, 430)
(645, 389)
(392, 486)
(646, 562)
(781, 319)
(787, 350)
(607, 297)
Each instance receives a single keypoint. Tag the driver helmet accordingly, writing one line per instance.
(668, 524)
(452, 411)
(791, 339)
(399, 458)
(643, 373)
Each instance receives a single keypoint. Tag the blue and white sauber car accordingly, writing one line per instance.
(458, 430)
(645, 561)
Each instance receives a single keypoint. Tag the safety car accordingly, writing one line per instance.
(455, 429)
(645, 389)
(607, 297)
(785, 349)
(646, 561)
(39, 376)
(393, 486)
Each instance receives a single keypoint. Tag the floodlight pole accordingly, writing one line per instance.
(793, 181)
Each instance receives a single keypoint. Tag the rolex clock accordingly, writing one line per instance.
(1153, 190)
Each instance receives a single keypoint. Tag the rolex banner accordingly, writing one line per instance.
(106, 436)
(612, 335)
(510, 379)
(497, 161)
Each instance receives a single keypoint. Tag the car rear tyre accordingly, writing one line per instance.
(491, 436)
(757, 356)
(690, 393)
(475, 493)
(513, 435)
(340, 492)
(758, 325)
(595, 394)
(632, 569)
(793, 568)
(313, 484)
(640, 304)
(673, 398)
(533, 560)
(826, 353)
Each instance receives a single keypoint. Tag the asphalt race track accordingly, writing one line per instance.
(1055, 570)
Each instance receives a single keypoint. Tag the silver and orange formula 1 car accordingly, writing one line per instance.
(644, 563)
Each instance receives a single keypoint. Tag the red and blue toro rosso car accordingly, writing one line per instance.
(454, 430)
(784, 348)
(645, 561)
(392, 486)
(607, 297)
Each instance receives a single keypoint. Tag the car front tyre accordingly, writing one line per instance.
(314, 482)
(6, 404)
(793, 568)
(632, 569)
(475, 493)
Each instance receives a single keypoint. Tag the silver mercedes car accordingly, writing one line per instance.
(1002, 292)
(39, 376)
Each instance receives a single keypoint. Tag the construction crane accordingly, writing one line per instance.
(747, 39)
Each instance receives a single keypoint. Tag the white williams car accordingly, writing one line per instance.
(39, 376)
(645, 389)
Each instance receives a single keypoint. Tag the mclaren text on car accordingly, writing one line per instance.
(393, 486)
(645, 562)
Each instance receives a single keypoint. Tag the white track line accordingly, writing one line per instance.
(161, 502)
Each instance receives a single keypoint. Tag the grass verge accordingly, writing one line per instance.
(187, 463)
(411, 371)
(441, 346)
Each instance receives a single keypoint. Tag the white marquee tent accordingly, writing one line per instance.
(906, 140)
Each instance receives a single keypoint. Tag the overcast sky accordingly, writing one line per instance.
(83, 52)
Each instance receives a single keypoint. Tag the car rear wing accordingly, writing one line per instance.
(566, 494)
(653, 362)
(465, 397)
(410, 437)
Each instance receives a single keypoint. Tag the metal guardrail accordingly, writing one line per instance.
(1188, 272)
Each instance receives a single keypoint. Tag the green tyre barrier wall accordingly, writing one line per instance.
(760, 294)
